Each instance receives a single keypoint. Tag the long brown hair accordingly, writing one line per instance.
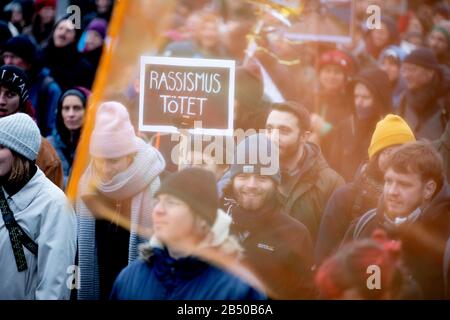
(20, 170)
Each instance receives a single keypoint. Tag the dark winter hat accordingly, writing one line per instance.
(99, 25)
(16, 80)
(257, 154)
(377, 81)
(22, 47)
(423, 57)
(5, 34)
(197, 187)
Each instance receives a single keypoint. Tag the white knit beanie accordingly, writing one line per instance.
(113, 135)
(18, 132)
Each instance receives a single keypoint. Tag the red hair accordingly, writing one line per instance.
(348, 269)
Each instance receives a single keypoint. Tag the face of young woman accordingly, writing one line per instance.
(107, 169)
(174, 223)
(72, 112)
(6, 161)
(9, 102)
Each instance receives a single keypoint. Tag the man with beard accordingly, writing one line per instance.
(277, 248)
(307, 181)
(415, 208)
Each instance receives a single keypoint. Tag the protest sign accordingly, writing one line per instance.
(183, 93)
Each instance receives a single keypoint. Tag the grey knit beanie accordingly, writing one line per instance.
(257, 154)
(19, 133)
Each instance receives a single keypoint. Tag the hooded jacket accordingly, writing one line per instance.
(425, 109)
(346, 204)
(309, 187)
(346, 151)
(66, 64)
(423, 238)
(162, 277)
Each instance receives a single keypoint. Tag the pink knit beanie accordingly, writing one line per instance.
(113, 135)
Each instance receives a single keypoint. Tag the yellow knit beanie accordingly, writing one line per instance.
(390, 131)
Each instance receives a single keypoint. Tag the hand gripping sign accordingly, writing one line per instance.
(175, 93)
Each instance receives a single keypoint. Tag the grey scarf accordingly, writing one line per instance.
(139, 182)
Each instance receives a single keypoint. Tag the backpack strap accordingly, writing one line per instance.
(360, 225)
(17, 235)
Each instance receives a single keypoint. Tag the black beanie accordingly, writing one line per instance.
(22, 47)
(197, 187)
(423, 57)
(16, 80)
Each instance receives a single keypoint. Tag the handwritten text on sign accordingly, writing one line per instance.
(176, 89)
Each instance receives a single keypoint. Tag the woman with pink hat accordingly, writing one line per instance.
(115, 200)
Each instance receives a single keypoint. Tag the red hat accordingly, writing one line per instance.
(45, 3)
(338, 58)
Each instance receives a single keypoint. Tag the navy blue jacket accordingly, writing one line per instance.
(166, 278)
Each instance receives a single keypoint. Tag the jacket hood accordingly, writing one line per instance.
(377, 81)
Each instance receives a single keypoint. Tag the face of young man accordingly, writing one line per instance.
(253, 191)
(12, 59)
(289, 137)
(405, 192)
(9, 102)
(416, 76)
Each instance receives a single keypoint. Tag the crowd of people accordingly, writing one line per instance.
(361, 131)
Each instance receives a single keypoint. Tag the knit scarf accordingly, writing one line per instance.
(139, 182)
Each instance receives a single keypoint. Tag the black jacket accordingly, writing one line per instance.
(425, 109)
(346, 204)
(277, 248)
(423, 241)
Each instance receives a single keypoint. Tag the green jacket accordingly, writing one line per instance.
(312, 185)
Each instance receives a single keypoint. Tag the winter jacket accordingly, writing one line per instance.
(346, 149)
(44, 95)
(277, 248)
(165, 278)
(423, 240)
(44, 213)
(425, 109)
(48, 161)
(346, 204)
(65, 154)
(308, 188)
(68, 67)
(135, 187)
